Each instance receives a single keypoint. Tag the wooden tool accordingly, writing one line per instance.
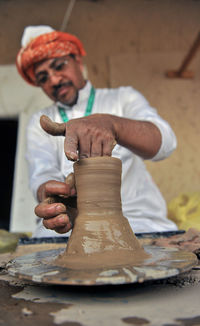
(182, 72)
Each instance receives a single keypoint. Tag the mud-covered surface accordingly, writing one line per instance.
(172, 301)
(169, 302)
(23, 302)
(189, 241)
(16, 312)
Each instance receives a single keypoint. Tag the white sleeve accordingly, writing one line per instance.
(135, 106)
(42, 155)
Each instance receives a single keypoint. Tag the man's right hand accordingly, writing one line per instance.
(57, 205)
(89, 136)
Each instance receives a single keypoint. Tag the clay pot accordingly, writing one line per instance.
(102, 236)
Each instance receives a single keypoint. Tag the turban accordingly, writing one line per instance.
(46, 45)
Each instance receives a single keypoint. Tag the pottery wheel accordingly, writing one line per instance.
(40, 267)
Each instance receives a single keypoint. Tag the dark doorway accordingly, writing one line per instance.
(8, 138)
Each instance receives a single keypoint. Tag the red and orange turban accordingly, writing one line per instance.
(46, 46)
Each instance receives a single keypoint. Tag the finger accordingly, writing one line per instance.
(64, 229)
(70, 180)
(71, 146)
(108, 146)
(84, 147)
(57, 222)
(97, 149)
(52, 128)
(47, 211)
(56, 188)
(50, 200)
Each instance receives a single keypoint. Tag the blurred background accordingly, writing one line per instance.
(128, 42)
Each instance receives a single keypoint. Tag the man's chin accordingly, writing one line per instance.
(70, 101)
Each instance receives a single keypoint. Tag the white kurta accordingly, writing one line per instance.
(142, 202)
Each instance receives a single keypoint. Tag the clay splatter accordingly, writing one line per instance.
(135, 321)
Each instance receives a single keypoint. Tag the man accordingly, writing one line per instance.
(117, 122)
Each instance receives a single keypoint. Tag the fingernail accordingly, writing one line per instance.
(59, 208)
(61, 219)
(71, 156)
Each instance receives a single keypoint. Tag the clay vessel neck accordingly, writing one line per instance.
(98, 183)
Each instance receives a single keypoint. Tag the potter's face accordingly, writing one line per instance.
(61, 78)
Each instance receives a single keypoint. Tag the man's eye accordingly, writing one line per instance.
(42, 80)
(60, 66)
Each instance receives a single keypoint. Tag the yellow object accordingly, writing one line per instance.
(9, 241)
(184, 210)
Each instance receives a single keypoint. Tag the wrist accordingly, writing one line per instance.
(116, 126)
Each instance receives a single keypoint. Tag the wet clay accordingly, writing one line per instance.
(102, 236)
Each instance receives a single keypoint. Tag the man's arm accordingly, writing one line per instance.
(143, 138)
(97, 134)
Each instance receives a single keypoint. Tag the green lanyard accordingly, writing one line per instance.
(88, 108)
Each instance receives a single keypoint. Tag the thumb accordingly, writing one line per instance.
(70, 180)
(52, 128)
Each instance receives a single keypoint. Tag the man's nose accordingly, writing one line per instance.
(54, 79)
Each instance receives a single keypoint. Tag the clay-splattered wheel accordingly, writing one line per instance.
(40, 267)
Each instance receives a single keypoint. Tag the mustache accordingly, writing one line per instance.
(57, 87)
